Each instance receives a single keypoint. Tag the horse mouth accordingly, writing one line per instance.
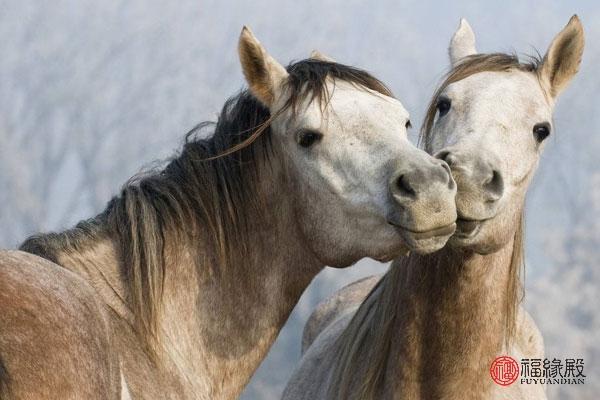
(468, 228)
(446, 230)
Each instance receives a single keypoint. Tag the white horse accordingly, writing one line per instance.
(178, 289)
(431, 327)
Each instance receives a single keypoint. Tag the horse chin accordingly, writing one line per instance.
(478, 236)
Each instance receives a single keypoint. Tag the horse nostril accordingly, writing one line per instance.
(494, 184)
(404, 187)
(448, 175)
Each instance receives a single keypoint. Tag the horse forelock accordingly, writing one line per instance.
(308, 79)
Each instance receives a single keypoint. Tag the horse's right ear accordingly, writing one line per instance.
(462, 43)
(263, 74)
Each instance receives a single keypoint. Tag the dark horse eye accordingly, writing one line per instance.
(308, 137)
(541, 131)
(443, 106)
(408, 124)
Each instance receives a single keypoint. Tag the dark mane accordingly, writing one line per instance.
(207, 192)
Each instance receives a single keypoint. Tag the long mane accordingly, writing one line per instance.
(375, 317)
(203, 198)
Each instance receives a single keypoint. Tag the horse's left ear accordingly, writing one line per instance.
(563, 58)
(263, 73)
(462, 43)
(317, 55)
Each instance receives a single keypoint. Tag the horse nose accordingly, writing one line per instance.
(446, 156)
(493, 184)
(482, 173)
(423, 195)
(414, 182)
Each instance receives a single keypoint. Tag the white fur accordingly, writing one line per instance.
(125, 395)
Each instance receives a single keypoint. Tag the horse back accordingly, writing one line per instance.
(54, 339)
(336, 305)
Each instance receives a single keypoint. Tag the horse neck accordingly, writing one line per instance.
(222, 324)
(451, 318)
(97, 261)
(214, 321)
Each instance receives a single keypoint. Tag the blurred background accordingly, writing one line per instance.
(93, 91)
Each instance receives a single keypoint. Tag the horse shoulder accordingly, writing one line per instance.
(54, 335)
(529, 343)
(529, 337)
(335, 305)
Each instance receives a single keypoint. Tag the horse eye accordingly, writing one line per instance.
(443, 106)
(309, 137)
(541, 131)
(408, 124)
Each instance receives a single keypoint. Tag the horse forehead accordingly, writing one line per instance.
(501, 92)
(358, 105)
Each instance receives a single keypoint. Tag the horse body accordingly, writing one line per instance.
(178, 289)
(432, 326)
(348, 297)
(51, 320)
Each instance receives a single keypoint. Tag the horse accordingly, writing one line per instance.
(432, 326)
(180, 286)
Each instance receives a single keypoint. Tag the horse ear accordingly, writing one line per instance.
(317, 55)
(563, 57)
(462, 43)
(263, 74)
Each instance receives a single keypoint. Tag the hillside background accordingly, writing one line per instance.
(92, 91)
